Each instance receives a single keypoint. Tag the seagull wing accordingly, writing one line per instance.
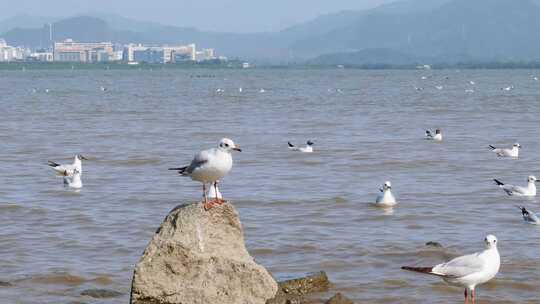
(198, 161)
(460, 266)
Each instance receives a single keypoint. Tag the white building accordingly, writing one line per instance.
(10, 53)
(41, 56)
(206, 54)
(72, 51)
(159, 53)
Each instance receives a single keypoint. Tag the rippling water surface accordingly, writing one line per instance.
(301, 212)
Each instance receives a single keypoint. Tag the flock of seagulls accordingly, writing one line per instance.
(210, 166)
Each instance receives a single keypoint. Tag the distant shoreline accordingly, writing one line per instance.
(17, 66)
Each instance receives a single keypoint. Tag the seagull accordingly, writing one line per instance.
(469, 91)
(439, 87)
(514, 152)
(68, 170)
(307, 149)
(213, 192)
(240, 89)
(512, 190)
(529, 216)
(219, 90)
(209, 166)
(386, 198)
(436, 137)
(510, 88)
(262, 90)
(472, 82)
(468, 270)
(73, 180)
(535, 78)
(103, 89)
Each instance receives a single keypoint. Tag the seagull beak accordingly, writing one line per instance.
(237, 149)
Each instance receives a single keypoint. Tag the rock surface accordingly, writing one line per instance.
(199, 257)
(292, 291)
(338, 298)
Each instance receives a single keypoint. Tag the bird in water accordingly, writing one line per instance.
(307, 149)
(512, 152)
(386, 198)
(68, 170)
(529, 190)
(436, 137)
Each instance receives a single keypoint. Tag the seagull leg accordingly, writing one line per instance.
(219, 201)
(466, 296)
(473, 296)
(207, 205)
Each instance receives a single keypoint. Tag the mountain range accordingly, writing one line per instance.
(404, 32)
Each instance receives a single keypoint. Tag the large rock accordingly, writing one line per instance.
(199, 257)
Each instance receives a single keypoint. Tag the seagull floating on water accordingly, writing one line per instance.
(512, 190)
(439, 87)
(501, 152)
(436, 137)
(209, 166)
(386, 198)
(472, 82)
(68, 170)
(529, 216)
(510, 88)
(307, 149)
(74, 180)
(468, 271)
(262, 90)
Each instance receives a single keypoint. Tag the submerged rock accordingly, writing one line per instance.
(292, 291)
(199, 257)
(434, 244)
(338, 298)
(101, 293)
(5, 284)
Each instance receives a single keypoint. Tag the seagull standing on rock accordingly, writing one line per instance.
(513, 152)
(210, 166)
(469, 270)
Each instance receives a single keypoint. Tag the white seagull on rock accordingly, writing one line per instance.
(209, 166)
(68, 170)
(386, 198)
(512, 190)
(529, 216)
(307, 149)
(513, 152)
(468, 271)
(436, 137)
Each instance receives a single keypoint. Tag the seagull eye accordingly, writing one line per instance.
(226, 145)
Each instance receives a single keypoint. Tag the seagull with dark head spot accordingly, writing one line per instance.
(307, 149)
(436, 137)
(68, 170)
(529, 216)
(210, 166)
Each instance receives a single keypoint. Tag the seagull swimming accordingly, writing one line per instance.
(307, 149)
(68, 170)
(73, 180)
(512, 190)
(386, 198)
(510, 88)
(514, 152)
(436, 137)
(529, 216)
(469, 270)
(439, 87)
(209, 166)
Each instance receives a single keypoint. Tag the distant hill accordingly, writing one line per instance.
(440, 31)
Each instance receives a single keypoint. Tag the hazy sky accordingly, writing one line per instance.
(217, 15)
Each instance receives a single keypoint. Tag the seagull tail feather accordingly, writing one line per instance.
(498, 182)
(427, 270)
(290, 145)
(492, 147)
(180, 170)
(52, 164)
